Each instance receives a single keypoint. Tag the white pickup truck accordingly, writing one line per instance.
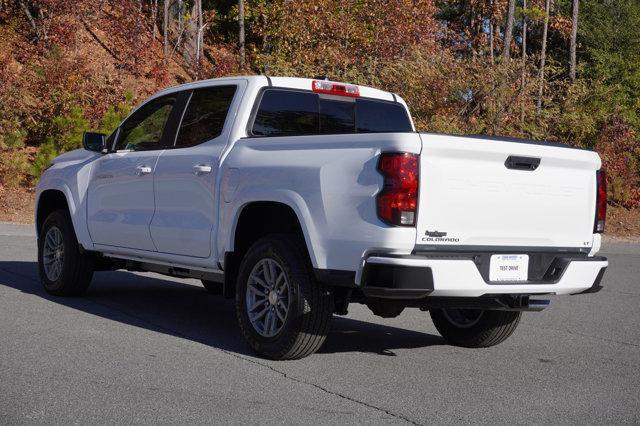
(297, 197)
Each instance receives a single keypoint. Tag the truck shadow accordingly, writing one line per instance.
(187, 311)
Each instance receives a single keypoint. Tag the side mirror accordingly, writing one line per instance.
(94, 141)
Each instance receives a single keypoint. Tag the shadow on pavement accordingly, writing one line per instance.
(189, 312)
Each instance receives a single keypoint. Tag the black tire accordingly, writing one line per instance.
(212, 287)
(76, 268)
(308, 319)
(489, 329)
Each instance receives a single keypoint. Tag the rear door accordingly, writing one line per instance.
(482, 192)
(120, 195)
(186, 173)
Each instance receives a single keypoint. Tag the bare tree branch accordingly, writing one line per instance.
(32, 21)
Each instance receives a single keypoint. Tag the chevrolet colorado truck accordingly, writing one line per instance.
(296, 197)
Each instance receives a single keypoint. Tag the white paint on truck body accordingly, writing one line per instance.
(467, 192)
(331, 182)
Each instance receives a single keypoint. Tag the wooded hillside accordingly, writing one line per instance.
(563, 70)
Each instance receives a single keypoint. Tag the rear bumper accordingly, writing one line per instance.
(415, 277)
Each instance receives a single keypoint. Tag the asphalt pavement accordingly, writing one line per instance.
(144, 348)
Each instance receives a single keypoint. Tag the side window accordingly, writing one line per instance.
(205, 115)
(379, 116)
(143, 130)
(286, 113)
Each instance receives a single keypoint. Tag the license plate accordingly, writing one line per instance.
(509, 267)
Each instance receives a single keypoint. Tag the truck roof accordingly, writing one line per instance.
(283, 82)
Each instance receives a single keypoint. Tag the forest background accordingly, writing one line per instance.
(557, 70)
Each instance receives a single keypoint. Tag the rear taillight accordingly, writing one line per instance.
(601, 201)
(398, 200)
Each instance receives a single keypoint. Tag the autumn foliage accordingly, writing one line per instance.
(66, 66)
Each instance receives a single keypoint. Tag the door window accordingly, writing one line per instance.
(143, 130)
(205, 115)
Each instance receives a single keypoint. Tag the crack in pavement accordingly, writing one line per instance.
(253, 361)
(235, 355)
(322, 388)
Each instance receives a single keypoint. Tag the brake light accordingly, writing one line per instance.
(601, 201)
(398, 201)
(330, 88)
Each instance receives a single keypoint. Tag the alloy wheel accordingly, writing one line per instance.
(268, 297)
(53, 253)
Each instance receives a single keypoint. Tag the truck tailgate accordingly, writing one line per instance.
(482, 192)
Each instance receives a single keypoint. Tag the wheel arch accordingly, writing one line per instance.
(60, 196)
(255, 219)
(48, 201)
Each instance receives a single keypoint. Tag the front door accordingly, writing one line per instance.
(120, 195)
(185, 177)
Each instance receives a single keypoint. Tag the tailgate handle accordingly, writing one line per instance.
(522, 163)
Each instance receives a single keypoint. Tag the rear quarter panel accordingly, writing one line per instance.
(329, 181)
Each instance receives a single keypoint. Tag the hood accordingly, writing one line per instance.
(77, 155)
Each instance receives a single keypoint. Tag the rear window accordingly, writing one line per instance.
(336, 116)
(376, 116)
(288, 112)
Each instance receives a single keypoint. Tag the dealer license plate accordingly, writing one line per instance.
(509, 267)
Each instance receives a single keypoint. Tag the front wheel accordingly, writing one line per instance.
(282, 311)
(64, 269)
(474, 328)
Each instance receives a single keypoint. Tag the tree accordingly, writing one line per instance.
(241, 32)
(154, 18)
(524, 56)
(543, 51)
(491, 32)
(574, 34)
(165, 28)
(508, 33)
(610, 52)
(199, 35)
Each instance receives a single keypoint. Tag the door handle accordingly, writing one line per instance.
(201, 169)
(143, 170)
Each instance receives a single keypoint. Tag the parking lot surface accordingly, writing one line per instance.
(143, 348)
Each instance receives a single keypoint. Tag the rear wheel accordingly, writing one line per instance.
(63, 269)
(282, 311)
(474, 328)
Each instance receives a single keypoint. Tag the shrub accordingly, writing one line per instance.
(14, 168)
(619, 148)
(114, 115)
(46, 153)
(66, 135)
